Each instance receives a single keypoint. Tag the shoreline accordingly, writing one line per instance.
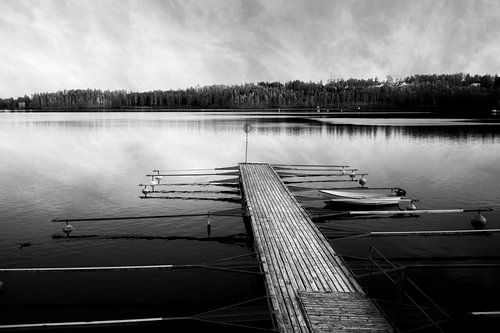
(491, 115)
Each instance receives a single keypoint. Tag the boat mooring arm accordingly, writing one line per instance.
(417, 211)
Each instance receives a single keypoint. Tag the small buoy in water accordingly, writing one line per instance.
(23, 245)
(362, 181)
(352, 175)
(68, 228)
(209, 226)
(479, 221)
(411, 206)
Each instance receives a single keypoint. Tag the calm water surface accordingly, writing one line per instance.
(90, 165)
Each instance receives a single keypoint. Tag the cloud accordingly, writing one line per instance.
(50, 45)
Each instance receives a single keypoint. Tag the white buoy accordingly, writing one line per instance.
(68, 228)
(411, 206)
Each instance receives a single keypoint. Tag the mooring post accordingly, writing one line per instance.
(209, 227)
(247, 128)
(246, 147)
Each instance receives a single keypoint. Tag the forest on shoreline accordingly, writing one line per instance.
(441, 93)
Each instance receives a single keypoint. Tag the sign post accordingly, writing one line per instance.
(247, 128)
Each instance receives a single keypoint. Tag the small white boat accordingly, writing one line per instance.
(375, 201)
(363, 198)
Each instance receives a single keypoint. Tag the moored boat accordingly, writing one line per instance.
(364, 197)
(374, 201)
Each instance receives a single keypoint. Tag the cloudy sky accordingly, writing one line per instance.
(49, 45)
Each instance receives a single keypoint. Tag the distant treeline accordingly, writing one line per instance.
(446, 92)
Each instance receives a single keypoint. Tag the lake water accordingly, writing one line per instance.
(90, 164)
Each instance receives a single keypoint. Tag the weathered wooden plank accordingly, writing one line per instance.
(314, 249)
(285, 316)
(288, 235)
(344, 274)
(297, 234)
(335, 311)
(284, 269)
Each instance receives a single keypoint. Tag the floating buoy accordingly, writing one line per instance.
(411, 206)
(362, 181)
(152, 184)
(479, 221)
(352, 175)
(209, 226)
(23, 245)
(68, 228)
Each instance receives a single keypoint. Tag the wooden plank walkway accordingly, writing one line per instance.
(297, 260)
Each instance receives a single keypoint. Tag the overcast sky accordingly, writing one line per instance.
(143, 45)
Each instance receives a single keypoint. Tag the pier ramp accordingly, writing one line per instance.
(309, 286)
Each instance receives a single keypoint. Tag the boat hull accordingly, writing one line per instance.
(381, 201)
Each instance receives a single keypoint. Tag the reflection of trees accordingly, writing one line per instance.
(481, 133)
(279, 126)
(437, 92)
(461, 133)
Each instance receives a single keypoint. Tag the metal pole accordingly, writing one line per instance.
(246, 147)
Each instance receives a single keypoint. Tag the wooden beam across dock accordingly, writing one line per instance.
(310, 288)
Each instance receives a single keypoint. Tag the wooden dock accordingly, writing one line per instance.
(309, 286)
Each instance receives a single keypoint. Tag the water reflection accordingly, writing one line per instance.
(87, 165)
(295, 125)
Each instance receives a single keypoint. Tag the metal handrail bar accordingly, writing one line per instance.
(427, 297)
(382, 256)
(372, 253)
(416, 329)
(424, 312)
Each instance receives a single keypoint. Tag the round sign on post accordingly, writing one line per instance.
(247, 128)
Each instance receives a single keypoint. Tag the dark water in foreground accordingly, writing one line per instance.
(87, 165)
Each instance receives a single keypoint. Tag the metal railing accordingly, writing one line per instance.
(408, 295)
